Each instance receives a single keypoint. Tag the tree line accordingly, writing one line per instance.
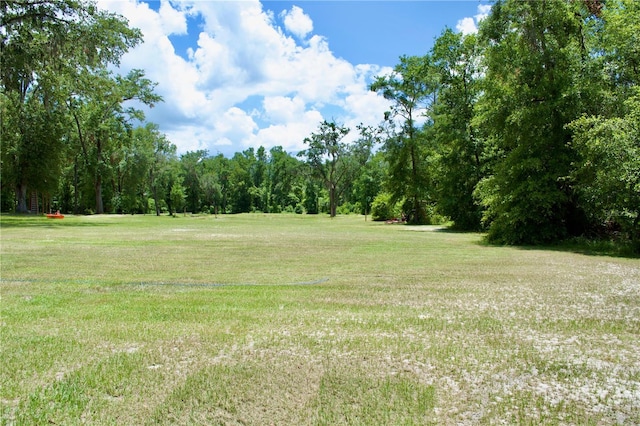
(527, 130)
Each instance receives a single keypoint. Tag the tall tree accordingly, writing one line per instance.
(283, 174)
(32, 148)
(532, 52)
(607, 137)
(193, 169)
(327, 156)
(369, 182)
(461, 157)
(144, 163)
(243, 191)
(411, 88)
(99, 112)
(609, 174)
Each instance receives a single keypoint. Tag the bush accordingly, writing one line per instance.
(348, 208)
(382, 207)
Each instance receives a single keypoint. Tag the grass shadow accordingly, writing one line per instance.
(604, 248)
(585, 246)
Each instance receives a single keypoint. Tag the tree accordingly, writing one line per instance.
(143, 166)
(461, 160)
(192, 171)
(532, 52)
(369, 182)
(33, 128)
(325, 154)
(607, 137)
(259, 178)
(218, 185)
(609, 173)
(367, 170)
(412, 88)
(99, 114)
(242, 192)
(283, 176)
(164, 155)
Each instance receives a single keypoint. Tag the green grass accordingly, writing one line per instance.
(286, 319)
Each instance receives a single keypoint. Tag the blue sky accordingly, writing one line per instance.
(240, 74)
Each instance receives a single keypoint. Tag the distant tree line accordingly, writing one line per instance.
(528, 130)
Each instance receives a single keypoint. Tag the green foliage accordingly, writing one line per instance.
(48, 48)
(608, 173)
(384, 207)
(411, 88)
(326, 155)
(178, 197)
(531, 54)
(461, 161)
(335, 163)
(528, 129)
(369, 182)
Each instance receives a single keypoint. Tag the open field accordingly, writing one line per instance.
(284, 319)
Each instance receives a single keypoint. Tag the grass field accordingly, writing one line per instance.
(299, 320)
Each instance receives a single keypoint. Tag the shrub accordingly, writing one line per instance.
(383, 208)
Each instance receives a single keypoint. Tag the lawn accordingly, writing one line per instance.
(305, 320)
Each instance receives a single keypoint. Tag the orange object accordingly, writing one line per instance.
(55, 215)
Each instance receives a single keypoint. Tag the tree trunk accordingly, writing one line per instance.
(98, 188)
(417, 216)
(332, 201)
(154, 191)
(21, 193)
(98, 181)
(75, 186)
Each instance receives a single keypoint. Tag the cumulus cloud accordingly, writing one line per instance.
(297, 22)
(245, 81)
(483, 12)
(469, 25)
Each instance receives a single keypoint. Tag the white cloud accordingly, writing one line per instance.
(173, 21)
(283, 109)
(467, 26)
(289, 135)
(245, 82)
(470, 25)
(297, 22)
(483, 12)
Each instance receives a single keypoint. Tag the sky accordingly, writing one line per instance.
(250, 73)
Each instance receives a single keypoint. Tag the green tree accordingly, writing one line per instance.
(192, 164)
(367, 170)
(461, 158)
(243, 192)
(532, 53)
(259, 177)
(32, 146)
(163, 156)
(607, 137)
(100, 117)
(218, 185)
(177, 196)
(334, 161)
(609, 173)
(143, 165)
(412, 88)
(283, 174)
